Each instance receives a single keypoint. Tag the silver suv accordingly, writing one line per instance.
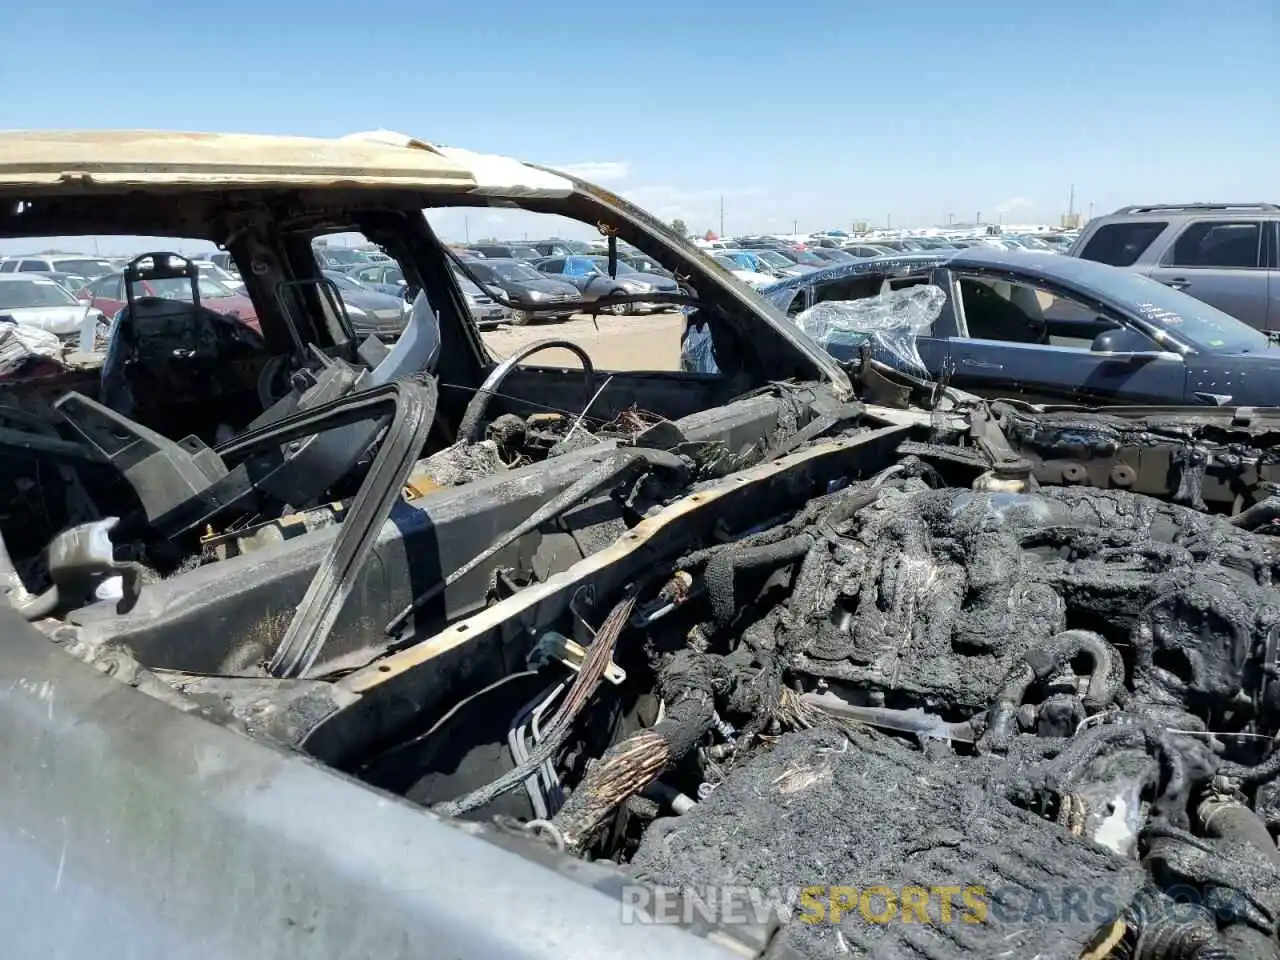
(1226, 254)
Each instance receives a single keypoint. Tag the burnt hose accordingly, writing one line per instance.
(1258, 773)
(1232, 820)
(633, 765)
(721, 575)
(1042, 662)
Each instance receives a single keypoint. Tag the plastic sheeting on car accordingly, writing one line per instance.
(696, 355)
(21, 343)
(890, 322)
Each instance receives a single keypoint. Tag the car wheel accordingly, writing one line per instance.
(519, 318)
(618, 309)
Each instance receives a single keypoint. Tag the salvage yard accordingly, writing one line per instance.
(646, 342)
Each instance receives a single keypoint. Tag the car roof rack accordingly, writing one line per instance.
(1199, 207)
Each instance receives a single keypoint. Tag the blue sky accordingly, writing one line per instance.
(820, 112)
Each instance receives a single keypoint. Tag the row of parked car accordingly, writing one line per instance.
(1045, 328)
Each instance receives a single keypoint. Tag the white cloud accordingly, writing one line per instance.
(1014, 204)
(597, 171)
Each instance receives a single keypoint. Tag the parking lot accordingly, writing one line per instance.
(648, 342)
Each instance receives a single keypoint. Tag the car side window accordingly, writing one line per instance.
(1024, 313)
(1213, 243)
(998, 310)
(9, 266)
(33, 266)
(552, 266)
(1121, 244)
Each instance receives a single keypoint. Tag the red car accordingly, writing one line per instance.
(107, 294)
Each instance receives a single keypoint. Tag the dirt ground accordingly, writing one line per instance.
(646, 342)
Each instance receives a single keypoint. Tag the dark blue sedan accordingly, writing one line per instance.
(1039, 326)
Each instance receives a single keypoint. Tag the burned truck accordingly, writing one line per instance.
(322, 647)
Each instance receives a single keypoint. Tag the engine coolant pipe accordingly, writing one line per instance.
(1042, 662)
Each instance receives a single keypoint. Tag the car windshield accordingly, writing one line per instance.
(89, 269)
(214, 272)
(1182, 315)
(467, 286)
(516, 272)
(338, 255)
(727, 262)
(775, 259)
(179, 288)
(343, 281)
(15, 294)
(602, 264)
(1034, 243)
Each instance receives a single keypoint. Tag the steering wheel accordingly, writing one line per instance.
(474, 414)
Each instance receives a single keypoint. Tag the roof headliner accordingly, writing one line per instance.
(33, 161)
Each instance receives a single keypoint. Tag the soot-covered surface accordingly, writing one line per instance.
(1056, 694)
(860, 810)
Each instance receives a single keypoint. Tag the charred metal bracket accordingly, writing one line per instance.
(552, 645)
(412, 410)
(611, 232)
(990, 439)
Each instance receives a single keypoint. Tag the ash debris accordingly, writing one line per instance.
(862, 810)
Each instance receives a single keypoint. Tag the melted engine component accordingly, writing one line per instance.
(1036, 696)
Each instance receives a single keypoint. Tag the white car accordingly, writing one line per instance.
(750, 277)
(211, 269)
(84, 269)
(35, 301)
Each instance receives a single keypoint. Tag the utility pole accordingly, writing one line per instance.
(950, 217)
(1090, 209)
(977, 218)
(722, 216)
(1071, 203)
(795, 227)
(466, 228)
(888, 221)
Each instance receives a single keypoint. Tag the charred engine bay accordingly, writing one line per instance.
(921, 679)
(848, 646)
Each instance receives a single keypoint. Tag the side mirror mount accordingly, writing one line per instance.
(1125, 345)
